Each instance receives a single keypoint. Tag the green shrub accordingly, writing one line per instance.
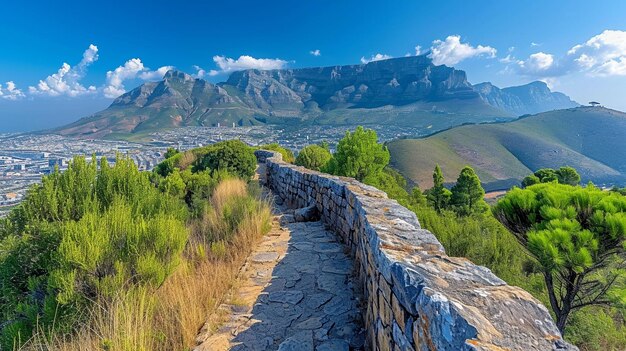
(313, 157)
(359, 155)
(233, 156)
(597, 329)
(82, 234)
(389, 181)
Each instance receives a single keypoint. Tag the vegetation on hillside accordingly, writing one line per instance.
(113, 258)
(502, 154)
(315, 157)
(564, 175)
(462, 222)
(577, 237)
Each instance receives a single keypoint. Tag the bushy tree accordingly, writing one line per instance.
(313, 157)
(468, 194)
(438, 196)
(359, 155)
(416, 197)
(233, 156)
(389, 181)
(171, 152)
(576, 235)
(530, 180)
(563, 175)
(568, 175)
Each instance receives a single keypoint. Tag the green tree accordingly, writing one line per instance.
(171, 152)
(530, 180)
(576, 235)
(313, 157)
(568, 175)
(468, 194)
(547, 175)
(416, 197)
(438, 196)
(359, 155)
(564, 175)
(233, 156)
(173, 184)
(389, 181)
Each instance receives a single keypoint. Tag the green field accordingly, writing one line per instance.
(591, 140)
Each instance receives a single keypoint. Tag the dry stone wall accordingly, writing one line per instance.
(418, 298)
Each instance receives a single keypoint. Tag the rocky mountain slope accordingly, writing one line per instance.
(531, 98)
(403, 91)
(590, 139)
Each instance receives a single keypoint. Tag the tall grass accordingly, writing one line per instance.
(169, 317)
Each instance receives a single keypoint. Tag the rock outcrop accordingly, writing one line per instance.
(535, 97)
(418, 298)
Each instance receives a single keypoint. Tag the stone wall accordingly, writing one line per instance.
(418, 298)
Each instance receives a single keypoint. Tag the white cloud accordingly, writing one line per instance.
(315, 52)
(533, 44)
(132, 69)
(377, 57)
(539, 64)
(114, 85)
(67, 79)
(227, 64)
(451, 51)
(11, 92)
(508, 59)
(155, 75)
(200, 72)
(602, 55)
(418, 50)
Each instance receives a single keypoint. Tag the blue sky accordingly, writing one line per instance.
(505, 42)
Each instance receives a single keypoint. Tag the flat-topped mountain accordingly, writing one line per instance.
(403, 91)
(590, 139)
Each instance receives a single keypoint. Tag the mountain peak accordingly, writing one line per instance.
(176, 75)
(530, 98)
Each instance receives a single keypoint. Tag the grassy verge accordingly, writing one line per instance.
(168, 317)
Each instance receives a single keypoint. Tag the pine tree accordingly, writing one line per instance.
(468, 193)
(438, 196)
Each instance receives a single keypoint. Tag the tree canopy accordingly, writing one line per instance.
(576, 235)
(438, 196)
(359, 155)
(313, 157)
(233, 156)
(468, 194)
(563, 175)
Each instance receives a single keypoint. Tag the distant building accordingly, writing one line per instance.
(56, 162)
(19, 167)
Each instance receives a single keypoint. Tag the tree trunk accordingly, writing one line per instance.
(561, 320)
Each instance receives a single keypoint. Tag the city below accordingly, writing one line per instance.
(25, 158)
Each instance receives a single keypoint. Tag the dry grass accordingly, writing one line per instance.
(170, 316)
(226, 191)
(186, 160)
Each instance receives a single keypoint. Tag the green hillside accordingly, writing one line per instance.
(590, 139)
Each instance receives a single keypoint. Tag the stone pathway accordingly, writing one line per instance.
(295, 292)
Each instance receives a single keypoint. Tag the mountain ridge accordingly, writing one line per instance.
(404, 91)
(589, 139)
